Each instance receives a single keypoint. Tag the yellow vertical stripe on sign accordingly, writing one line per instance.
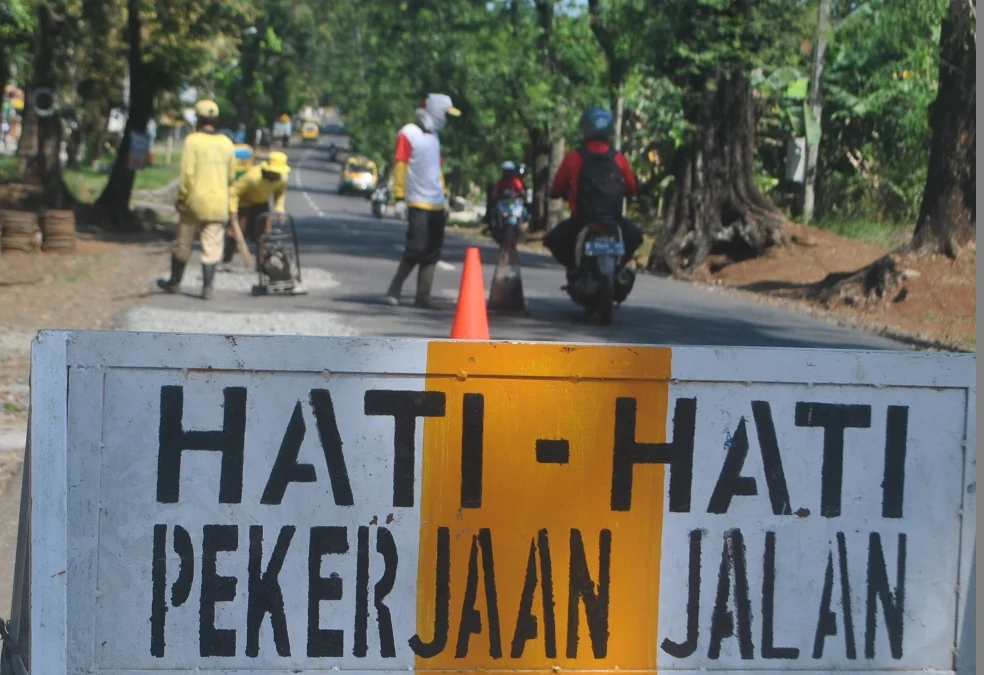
(517, 489)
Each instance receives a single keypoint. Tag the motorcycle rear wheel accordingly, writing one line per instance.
(605, 306)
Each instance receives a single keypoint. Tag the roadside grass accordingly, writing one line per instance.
(8, 169)
(86, 184)
(885, 234)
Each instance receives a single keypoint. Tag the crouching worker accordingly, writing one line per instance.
(250, 197)
(208, 168)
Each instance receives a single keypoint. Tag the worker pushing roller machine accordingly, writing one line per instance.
(249, 199)
(272, 233)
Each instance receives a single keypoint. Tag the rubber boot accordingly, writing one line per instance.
(173, 285)
(396, 286)
(425, 281)
(208, 277)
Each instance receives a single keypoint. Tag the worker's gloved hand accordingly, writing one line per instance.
(400, 209)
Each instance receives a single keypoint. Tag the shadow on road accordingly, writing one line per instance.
(553, 320)
(367, 237)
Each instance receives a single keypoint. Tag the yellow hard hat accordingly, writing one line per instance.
(206, 108)
(277, 163)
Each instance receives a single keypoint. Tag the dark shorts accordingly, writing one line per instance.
(253, 225)
(425, 236)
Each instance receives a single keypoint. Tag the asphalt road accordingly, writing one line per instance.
(350, 257)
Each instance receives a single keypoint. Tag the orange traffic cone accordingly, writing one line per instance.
(470, 319)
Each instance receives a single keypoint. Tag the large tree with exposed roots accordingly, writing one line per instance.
(716, 207)
(947, 216)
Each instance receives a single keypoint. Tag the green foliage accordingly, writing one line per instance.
(877, 232)
(16, 26)
(881, 77)
(521, 71)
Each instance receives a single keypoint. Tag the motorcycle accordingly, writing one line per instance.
(510, 213)
(332, 154)
(380, 200)
(602, 280)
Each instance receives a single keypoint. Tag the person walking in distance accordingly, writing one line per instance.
(208, 168)
(418, 186)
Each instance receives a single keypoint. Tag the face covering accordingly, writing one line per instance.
(433, 116)
(428, 122)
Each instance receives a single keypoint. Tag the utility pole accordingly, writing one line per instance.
(816, 107)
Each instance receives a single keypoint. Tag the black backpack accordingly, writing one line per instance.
(600, 186)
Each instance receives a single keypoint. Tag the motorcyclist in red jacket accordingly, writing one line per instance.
(510, 180)
(597, 127)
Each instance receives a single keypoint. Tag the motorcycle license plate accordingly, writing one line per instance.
(604, 246)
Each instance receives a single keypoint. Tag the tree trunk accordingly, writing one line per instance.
(114, 202)
(618, 69)
(4, 65)
(618, 106)
(27, 147)
(716, 206)
(250, 64)
(278, 92)
(948, 212)
(49, 128)
(539, 218)
(816, 106)
(544, 216)
(555, 208)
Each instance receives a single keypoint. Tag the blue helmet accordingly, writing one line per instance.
(597, 124)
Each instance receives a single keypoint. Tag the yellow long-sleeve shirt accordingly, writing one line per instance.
(252, 189)
(208, 168)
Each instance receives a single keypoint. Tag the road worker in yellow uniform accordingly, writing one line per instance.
(208, 168)
(250, 196)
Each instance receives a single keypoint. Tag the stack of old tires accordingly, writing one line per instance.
(58, 229)
(19, 231)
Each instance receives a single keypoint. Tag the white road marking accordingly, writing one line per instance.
(300, 184)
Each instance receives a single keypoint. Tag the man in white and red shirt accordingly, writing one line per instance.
(418, 186)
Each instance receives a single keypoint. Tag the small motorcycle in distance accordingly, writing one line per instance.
(602, 279)
(510, 213)
(380, 201)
